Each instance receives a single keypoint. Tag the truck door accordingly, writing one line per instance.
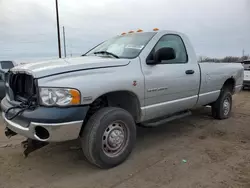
(170, 86)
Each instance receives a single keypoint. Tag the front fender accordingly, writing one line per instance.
(97, 82)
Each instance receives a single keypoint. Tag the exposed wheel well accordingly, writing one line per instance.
(122, 99)
(229, 84)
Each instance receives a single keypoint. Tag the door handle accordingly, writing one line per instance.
(189, 71)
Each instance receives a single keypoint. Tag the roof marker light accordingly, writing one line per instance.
(131, 32)
(139, 30)
(155, 29)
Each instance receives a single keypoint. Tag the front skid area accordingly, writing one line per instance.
(30, 146)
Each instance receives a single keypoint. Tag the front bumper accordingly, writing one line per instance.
(47, 124)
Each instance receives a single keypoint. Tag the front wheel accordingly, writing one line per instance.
(109, 137)
(221, 109)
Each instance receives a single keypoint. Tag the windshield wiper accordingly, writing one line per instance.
(106, 52)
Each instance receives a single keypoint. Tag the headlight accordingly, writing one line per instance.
(59, 96)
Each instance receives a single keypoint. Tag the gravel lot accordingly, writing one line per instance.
(196, 151)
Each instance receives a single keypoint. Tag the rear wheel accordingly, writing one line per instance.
(221, 109)
(108, 137)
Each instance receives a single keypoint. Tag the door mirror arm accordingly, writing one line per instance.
(151, 62)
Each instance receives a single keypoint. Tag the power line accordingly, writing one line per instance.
(58, 31)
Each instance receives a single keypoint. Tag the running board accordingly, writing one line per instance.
(168, 119)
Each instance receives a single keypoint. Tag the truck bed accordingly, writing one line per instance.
(213, 76)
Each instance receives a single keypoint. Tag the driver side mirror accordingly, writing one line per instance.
(163, 54)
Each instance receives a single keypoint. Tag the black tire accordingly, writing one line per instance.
(92, 137)
(218, 109)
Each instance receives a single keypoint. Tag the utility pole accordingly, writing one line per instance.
(243, 52)
(58, 31)
(64, 43)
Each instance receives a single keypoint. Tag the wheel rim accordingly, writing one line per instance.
(115, 139)
(226, 106)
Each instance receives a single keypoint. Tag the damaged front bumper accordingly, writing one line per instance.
(47, 132)
(46, 124)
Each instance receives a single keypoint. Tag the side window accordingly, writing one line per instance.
(175, 42)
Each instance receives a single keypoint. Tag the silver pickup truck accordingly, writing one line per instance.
(140, 78)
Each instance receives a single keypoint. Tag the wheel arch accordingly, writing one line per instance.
(124, 99)
(229, 84)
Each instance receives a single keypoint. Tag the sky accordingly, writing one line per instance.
(216, 28)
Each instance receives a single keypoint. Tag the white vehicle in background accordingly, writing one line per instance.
(246, 65)
(4, 67)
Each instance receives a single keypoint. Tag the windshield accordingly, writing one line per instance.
(124, 46)
(246, 65)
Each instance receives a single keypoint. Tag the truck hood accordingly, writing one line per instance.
(58, 66)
